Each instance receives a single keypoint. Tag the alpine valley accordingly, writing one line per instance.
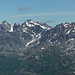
(34, 48)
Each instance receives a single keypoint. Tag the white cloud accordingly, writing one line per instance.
(45, 14)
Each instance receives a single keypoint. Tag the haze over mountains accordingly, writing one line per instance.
(39, 48)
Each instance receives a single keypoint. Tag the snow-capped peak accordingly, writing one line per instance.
(17, 24)
(66, 24)
(4, 22)
(30, 23)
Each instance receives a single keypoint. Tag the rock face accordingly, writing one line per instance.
(5, 26)
(42, 49)
(16, 37)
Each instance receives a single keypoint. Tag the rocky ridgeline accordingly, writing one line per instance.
(43, 49)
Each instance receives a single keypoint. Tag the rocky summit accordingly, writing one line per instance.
(34, 48)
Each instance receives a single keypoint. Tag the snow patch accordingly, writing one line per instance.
(68, 32)
(44, 27)
(42, 48)
(31, 22)
(38, 42)
(32, 36)
(72, 39)
(66, 24)
(50, 41)
(73, 31)
(11, 29)
(30, 42)
(5, 23)
(36, 23)
(26, 23)
(29, 25)
(36, 57)
(55, 34)
(37, 37)
(24, 29)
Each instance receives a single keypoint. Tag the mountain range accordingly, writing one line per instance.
(34, 48)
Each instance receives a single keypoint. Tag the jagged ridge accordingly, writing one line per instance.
(41, 49)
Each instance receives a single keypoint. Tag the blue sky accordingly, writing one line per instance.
(52, 12)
